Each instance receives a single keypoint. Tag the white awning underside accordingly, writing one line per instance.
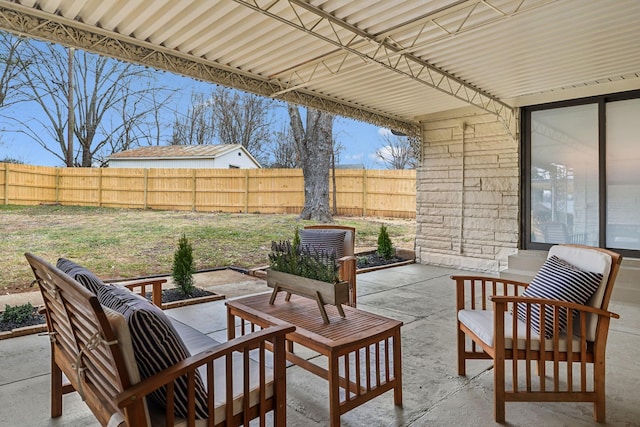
(388, 62)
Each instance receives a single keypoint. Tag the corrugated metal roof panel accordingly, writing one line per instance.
(371, 56)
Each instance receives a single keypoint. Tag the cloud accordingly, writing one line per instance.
(384, 153)
(356, 157)
(384, 132)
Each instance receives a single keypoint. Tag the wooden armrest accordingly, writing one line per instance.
(547, 307)
(141, 282)
(348, 266)
(501, 304)
(191, 364)
(156, 288)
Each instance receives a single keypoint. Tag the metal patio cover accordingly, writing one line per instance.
(387, 62)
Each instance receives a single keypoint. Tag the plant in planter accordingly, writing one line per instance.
(20, 315)
(183, 269)
(185, 292)
(312, 274)
(385, 248)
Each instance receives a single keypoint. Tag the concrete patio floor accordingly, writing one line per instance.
(434, 395)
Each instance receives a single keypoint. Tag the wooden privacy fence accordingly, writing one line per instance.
(359, 192)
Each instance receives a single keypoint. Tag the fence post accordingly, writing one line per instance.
(146, 187)
(6, 183)
(246, 191)
(57, 186)
(100, 187)
(193, 192)
(364, 192)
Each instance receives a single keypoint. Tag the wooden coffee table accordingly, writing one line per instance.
(363, 349)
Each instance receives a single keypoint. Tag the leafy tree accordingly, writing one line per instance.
(314, 145)
(183, 268)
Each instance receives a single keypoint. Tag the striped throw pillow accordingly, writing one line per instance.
(156, 345)
(323, 240)
(559, 280)
(80, 275)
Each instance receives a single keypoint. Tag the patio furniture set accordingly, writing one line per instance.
(135, 366)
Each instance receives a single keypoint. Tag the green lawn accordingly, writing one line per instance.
(120, 243)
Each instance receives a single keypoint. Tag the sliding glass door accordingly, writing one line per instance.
(623, 174)
(581, 162)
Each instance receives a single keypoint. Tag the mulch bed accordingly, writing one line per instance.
(35, 319)
(175, 294)
(374, 260)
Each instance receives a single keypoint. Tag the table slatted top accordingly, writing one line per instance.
(305, 315)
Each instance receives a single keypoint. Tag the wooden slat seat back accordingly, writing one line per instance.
(568, 366)
(83, 345)
(348, 262)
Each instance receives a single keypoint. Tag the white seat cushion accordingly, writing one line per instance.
(220, 383)
(480, 322)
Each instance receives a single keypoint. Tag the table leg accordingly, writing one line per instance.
(334, 391)
(231, 325)
(397, 368)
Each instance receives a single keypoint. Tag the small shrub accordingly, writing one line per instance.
(362, 260)
(385, 248)
(18, 313)
(183, 266)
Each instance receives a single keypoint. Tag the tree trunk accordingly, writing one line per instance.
(314, 145)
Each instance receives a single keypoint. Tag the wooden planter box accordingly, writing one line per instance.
(323, 292)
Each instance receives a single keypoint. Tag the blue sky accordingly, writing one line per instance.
(360, 140)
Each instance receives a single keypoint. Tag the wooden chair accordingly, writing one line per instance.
(348, 261)
(561, 365)
(242, 381)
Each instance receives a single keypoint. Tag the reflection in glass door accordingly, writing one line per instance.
(623, 174)
(564, 175)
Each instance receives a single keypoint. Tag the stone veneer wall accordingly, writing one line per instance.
(467, 213)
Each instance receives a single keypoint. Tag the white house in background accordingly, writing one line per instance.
(221, 156)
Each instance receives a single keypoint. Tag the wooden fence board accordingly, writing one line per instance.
(359, 192)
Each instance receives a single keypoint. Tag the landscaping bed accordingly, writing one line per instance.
(21, 320)
(370, 261)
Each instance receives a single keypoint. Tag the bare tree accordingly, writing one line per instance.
(398, 152)
(197, 127)
(135, 124)
(243, 118)
(103, 88)
(13, 63)
(283, 151)
(314, 144)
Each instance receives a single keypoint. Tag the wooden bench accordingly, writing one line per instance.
(92, 354)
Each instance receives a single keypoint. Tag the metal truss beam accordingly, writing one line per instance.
(388, 53)
(29, 22)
